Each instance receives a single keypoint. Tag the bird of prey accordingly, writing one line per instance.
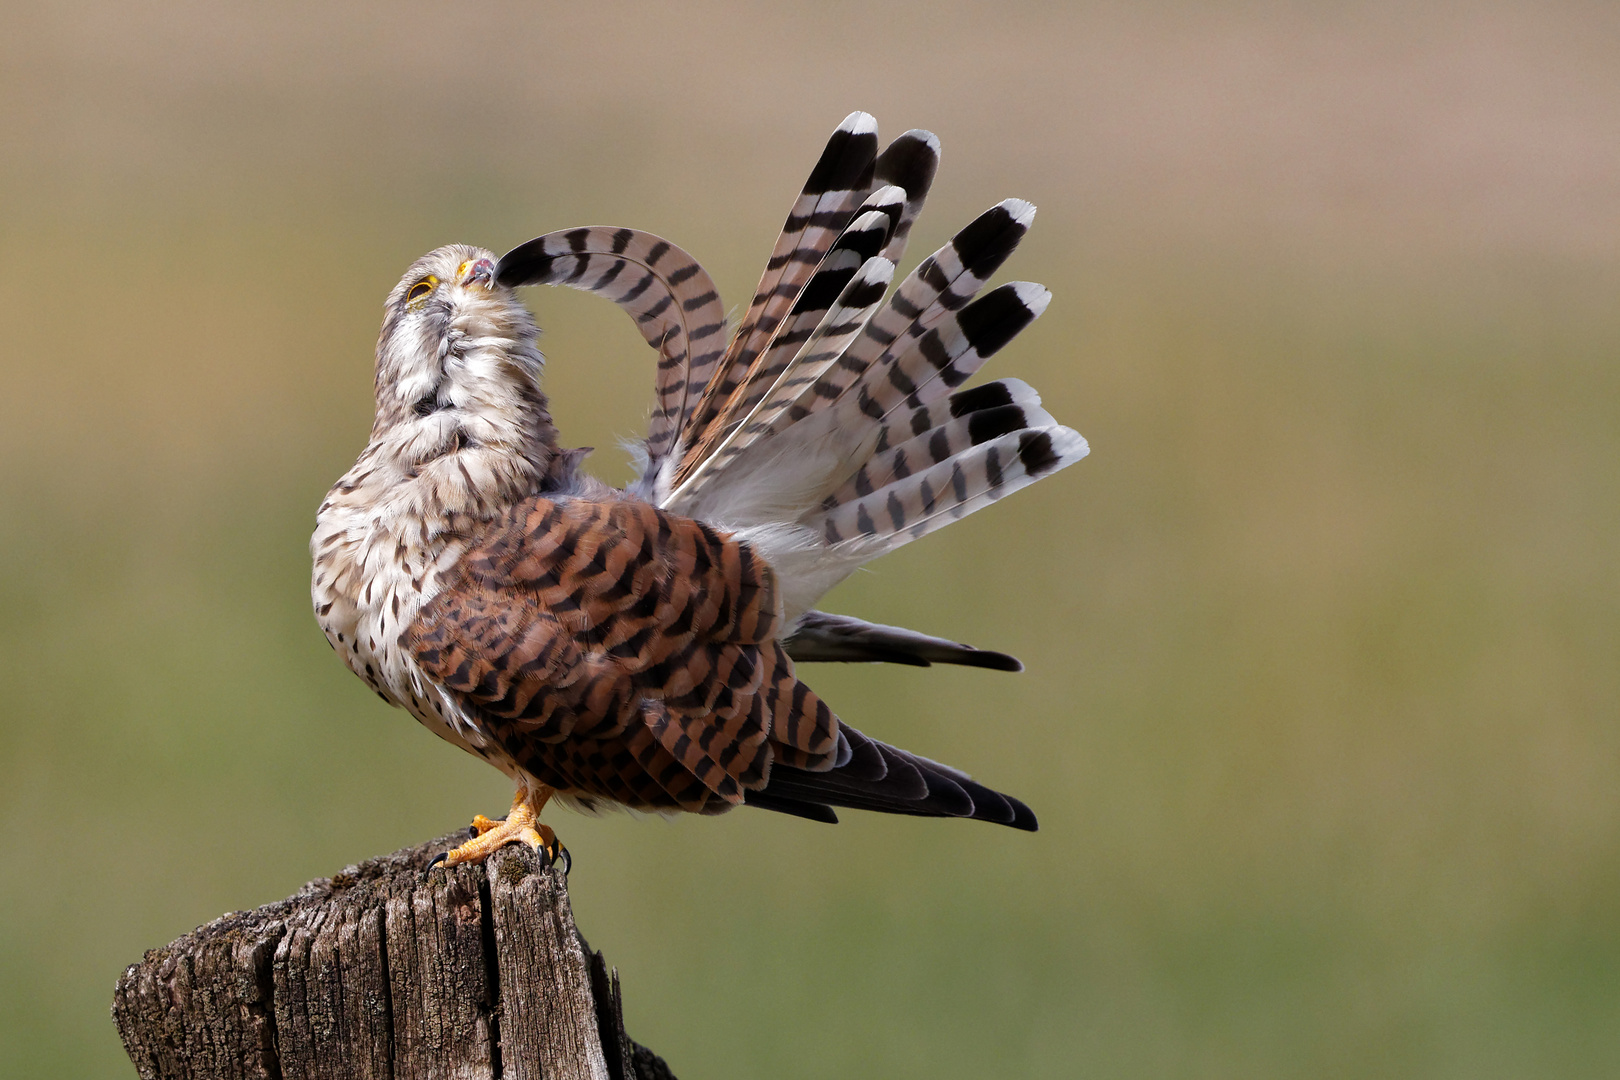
(639, 647)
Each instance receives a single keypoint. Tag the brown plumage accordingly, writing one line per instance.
(578, 627)
(637, 647)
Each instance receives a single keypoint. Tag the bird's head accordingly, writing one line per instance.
(458, 372)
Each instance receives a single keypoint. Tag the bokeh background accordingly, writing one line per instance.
(1323, 640)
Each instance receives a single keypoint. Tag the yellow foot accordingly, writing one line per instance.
(522, 825)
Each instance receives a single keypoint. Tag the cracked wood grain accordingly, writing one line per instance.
(387, 970)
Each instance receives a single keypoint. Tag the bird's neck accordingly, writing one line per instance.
(426, 483)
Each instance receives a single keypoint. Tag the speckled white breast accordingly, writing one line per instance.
(373, 571)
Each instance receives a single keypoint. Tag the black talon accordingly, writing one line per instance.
(437, 859)
(567, 859)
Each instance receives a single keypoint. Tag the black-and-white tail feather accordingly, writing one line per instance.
(838, 184)
(948, 353)
(868, 234)
(909, 508)
(908, 163)
(842, 320)
(942, 283)
(671, 298)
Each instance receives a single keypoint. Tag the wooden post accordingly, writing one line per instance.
(392, 971)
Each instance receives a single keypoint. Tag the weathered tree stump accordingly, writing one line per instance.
(387, 970)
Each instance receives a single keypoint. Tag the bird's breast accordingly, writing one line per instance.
(371, 577)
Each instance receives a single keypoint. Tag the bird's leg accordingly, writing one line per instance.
(522, 825)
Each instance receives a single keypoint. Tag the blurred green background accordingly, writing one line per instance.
(1323, 640)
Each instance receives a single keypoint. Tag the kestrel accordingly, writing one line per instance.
(638, 647)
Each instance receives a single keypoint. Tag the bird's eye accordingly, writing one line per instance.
(420, 290)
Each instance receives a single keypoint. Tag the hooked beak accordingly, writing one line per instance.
(481, 272)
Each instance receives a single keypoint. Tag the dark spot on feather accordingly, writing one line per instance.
(994, 319)
(902, 304)
(988, 396)
(910, 163)
(900, 380)
(1036, 453)
(846, 164)
(612, 273)
(897, 512)
(864, 293)
(934, 351)
(866, 242)
(526, 264)
(822, 290)
(985, 244)
(657, 309)
(992, 467)
(638, 288)
(581, 264)
(988, 424)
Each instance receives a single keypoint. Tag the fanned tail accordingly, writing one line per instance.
(942, 284)
(832, 428)
(864, 441)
